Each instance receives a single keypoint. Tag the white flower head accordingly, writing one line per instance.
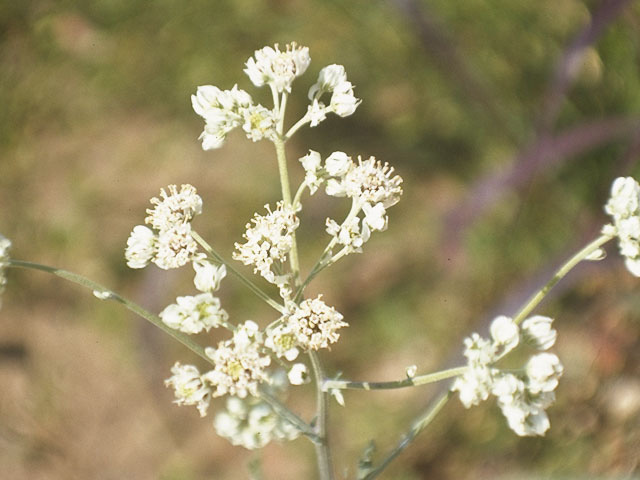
(175, 247)
(174, 208)
(624, 207)
(270, 66)
(369, 182)
(375, 217)
(282, 341)
(343, 101)
(141, 247)
(259, 123)
(298, 374)
(349, 234)
(208, 276)
(189, 388)
(193, 314)
(252, 423)
(317, 112)
(315, 324)
(474, 385)
(328, 79)
(239, 363)
(5, 246)
(538, 331)
(505, 333)
(311, 163)
(269, 239)
(222, 110)
(338, 164)
(543, 371)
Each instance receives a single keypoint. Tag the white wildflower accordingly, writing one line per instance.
(348, 234)
(193, 314)
(624, 207)
(328, 79)
(315, 324)
(369, 182)
(222, 110)
(375, 217)
(282, 341)
(505, 333)
(479, 351)
(141, 246)
(189, 388)
(311, 163)
(268, 241)
(208, 276)
(175, 247)
(252, 423)
(543, 371)
(259, 123)
(338, 164)
(174, 208)
(538, 331)
(343, 101)
(270, 66)
(298, 374)
(5, 245)
(316, 112)
(239, 363)
(474, 385)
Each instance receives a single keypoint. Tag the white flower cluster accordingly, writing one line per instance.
(193, 314)
(268, 242)
(189, 387)
(370, 184)
(313, 324)
(5, 245)
(168, 243)
(523, 397)
(224, 110)
(624, 207)
(239, 363)
(332, 79)
(252, 423)
(278, 69)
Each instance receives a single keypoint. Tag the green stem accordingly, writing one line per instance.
(244, 280)
(323, 453)
(288, 415)
(558, 275)
(407, 382)
(303, 121)
(132, 306)
(286, 197)
(418, 426)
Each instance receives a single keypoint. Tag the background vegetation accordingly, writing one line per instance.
(508, 120)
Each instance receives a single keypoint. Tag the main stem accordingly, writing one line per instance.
(323, 454)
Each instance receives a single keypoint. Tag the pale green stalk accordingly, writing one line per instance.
(423, 420)
(299, 124)
(328, 385)
(277, 406)
(323, 454)
(247, 283)
(537, 297)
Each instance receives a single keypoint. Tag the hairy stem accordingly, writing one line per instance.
(407, 382)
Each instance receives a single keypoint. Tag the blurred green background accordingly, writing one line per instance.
(508, 120)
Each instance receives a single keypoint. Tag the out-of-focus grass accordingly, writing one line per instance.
(96, 117)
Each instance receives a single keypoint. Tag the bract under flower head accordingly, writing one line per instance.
(270, 66)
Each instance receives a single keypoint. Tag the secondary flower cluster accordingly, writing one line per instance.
(5, 245)
(369, 184)
(252, 423)
(268, 242)
(624, 207)
(225, 110)
(522, 397)
(192, 314)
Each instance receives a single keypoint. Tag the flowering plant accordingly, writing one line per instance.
(258, 361)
